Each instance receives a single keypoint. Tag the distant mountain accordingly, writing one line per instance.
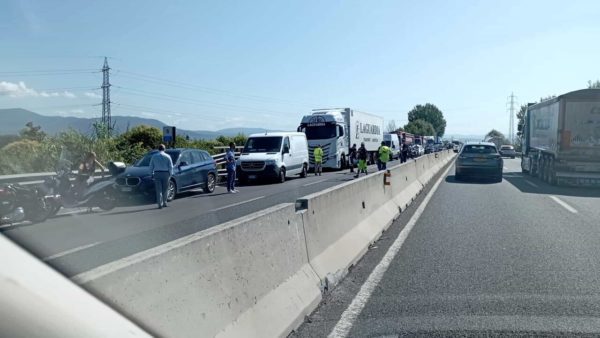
(14, 119)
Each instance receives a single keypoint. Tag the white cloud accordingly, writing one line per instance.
(92, 95)
(20, 89)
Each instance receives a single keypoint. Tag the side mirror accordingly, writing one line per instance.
(183, 164)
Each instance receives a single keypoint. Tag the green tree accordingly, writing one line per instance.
(146, 136)
(496, 137)
(24, 156)
(419, 127)
(431, 114)
(521, 118)
(594, 85)
(31, 132)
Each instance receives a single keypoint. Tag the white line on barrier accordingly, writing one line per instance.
(64, 253)
(238, 203)
(563, 204)
(343, 326)
(532, 184)
(315, 182)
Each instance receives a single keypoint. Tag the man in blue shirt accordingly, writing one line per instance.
(161, 168)
(230, 160)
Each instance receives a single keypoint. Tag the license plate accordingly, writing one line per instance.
(124, 189)
(480, 159)
(252, 177)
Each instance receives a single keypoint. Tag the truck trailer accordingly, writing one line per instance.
(561, 139)
(337, 129)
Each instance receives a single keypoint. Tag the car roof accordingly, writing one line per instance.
(480, 144)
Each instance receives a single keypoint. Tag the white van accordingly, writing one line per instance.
(392, 141)
(274, 155)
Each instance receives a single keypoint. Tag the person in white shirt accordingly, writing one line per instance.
(161, 168)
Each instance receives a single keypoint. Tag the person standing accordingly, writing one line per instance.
(384, 156)
(362, 156)
(230, 159)
(87, 169)
(404, 152)
(352, 156)
(318, 155)
(161, 169)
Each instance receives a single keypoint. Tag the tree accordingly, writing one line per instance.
(31, 132)
(594, 85)
(496, 137)
(419, 127)
(391, 127)
(146, 136)
(429, 113)
(521, 118)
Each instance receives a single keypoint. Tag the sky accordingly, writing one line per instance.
(217, 64)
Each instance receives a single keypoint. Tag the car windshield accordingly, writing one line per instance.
(145, 161)
(270, 144)
(320, 132)
(481, 217)
(479, 149)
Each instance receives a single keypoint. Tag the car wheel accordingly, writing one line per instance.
(211, 182)
(107, 201)
(304, 172)
(172, 190)
(281, 175)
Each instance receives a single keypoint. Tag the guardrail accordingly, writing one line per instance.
(38, 178)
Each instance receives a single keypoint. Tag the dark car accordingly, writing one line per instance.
(193, 169)
(508, 151)
(479, 159)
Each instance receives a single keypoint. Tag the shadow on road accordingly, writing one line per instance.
(473, 180)
(532, 185)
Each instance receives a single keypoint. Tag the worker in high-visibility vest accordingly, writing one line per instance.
(318, 155)
(384, 155)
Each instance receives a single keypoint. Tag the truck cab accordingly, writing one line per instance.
(328, 129)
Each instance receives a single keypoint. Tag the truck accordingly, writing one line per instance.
(336, 130)
(561, 139)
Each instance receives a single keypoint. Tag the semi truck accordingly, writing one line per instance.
(561, 139)
(337, 129)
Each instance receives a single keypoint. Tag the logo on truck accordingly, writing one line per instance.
(316, 121)
(367, 128)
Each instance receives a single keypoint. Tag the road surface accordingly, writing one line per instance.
(516, 257)
(76, 241)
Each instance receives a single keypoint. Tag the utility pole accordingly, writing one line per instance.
(511, 122)
(106, 118)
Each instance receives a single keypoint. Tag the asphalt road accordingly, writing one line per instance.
(77, 241)
(518, 257)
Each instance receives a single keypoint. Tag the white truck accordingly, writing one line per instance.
(337, 129)
(561, 139)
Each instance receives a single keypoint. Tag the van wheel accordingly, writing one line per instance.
(304, 172)
(281, 175)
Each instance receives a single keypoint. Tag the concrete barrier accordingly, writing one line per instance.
(341, 222)
(246, 278)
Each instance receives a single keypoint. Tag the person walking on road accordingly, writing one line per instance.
(404, 152)
(384, 156)
(362, 155)
(161, 168)
(230, 159)
(352, 156)
(318, 155)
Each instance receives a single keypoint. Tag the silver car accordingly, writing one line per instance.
(507, 151)
(479, 159)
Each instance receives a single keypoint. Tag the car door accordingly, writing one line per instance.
(202, 167)
(287, 157)
(185, 169)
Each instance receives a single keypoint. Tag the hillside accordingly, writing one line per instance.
(14, 119)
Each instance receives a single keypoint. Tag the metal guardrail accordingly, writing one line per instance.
(38, 178)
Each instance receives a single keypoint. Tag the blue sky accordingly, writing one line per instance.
(266, 63)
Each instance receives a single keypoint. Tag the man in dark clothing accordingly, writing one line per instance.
(362, 155)
(404, 152)
(352, 156)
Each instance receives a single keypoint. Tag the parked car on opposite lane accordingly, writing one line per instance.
(479, 159)
(507, 151)
(193, 168)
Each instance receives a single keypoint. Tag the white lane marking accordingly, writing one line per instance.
(238, 203)
(64, 253)
(532, 184)
(344, 325)
(563, 204)
(315, 182)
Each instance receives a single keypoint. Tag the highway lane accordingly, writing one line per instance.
(482, 259)
(76, 242)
